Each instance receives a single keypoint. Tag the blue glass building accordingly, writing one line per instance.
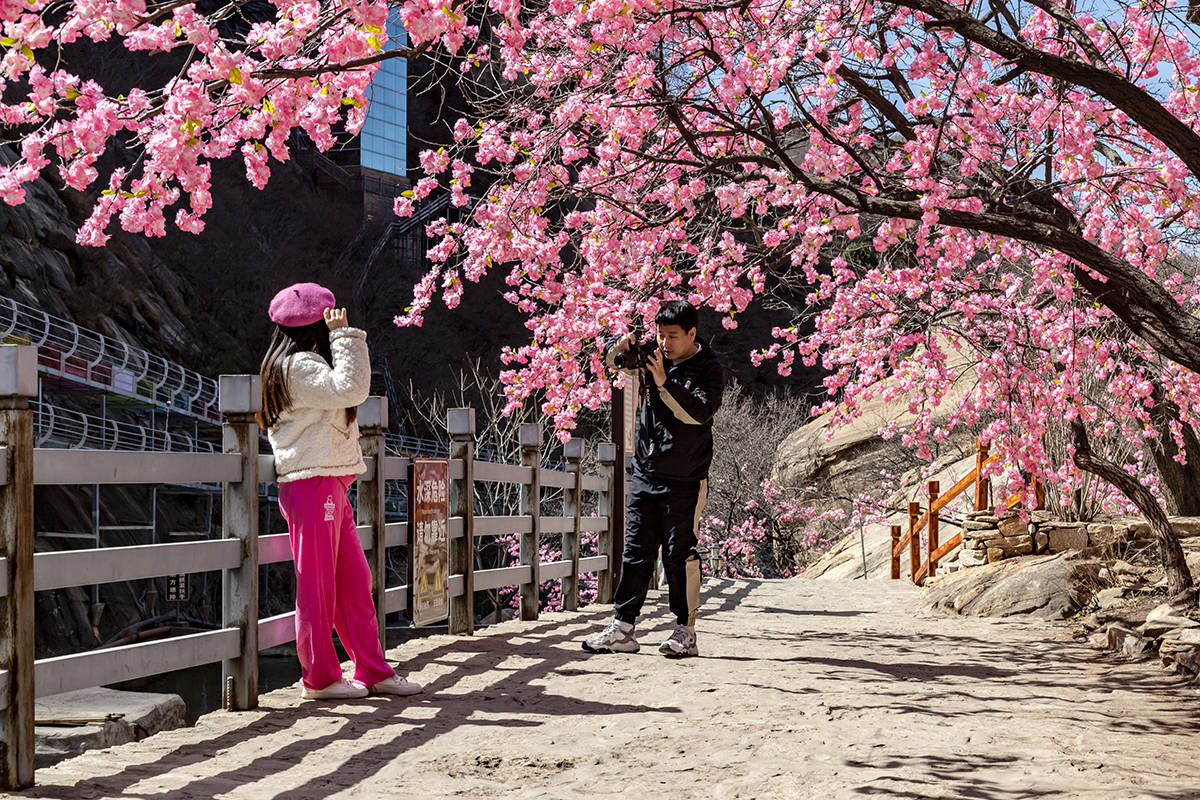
(384, 137)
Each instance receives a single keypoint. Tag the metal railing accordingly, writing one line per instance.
(79, 355)
(65, 427)
(413, 227)
(241, 550)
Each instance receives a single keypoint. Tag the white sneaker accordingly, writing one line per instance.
(396, 685)
(341, 689)
(616, 638)
(681, 643)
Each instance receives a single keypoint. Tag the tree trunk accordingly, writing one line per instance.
(1180, 482)
(1179, 579)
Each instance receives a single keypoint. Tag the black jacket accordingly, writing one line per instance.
(674, 432)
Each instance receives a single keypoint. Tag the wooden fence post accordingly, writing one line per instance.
(606, 454)
(982, 484)
(18, 383)
(460, 423)
(895, 555)
(530, 435)
(914, 541)
(572, 506)
(619, 434)
(240, 398)
(934, 491)
(372, 420)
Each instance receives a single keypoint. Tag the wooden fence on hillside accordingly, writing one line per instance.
(241, 550)
(928, 521)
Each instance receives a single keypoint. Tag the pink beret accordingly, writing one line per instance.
(300, 304)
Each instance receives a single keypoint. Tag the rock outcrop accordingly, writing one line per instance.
(1049, 587)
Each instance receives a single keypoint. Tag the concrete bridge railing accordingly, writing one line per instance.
(240, 469)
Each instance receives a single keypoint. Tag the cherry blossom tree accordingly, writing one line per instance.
(1000, 186)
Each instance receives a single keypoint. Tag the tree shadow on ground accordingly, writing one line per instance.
(513, 692)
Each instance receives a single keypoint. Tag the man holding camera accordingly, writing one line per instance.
(681, 390)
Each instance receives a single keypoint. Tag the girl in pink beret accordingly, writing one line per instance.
(315, 374)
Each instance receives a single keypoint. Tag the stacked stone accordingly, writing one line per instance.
(988, 538)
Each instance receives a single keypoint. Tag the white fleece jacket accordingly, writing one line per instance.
(312, 438)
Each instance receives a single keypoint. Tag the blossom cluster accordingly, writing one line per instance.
(236, 90)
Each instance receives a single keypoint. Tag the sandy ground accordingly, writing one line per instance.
(804, 689)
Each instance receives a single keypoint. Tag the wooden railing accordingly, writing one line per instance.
(241, 551)
(920, 570)
(917, 522)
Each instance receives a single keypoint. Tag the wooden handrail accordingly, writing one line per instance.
(241, 551)
(942, 501)
(919, 521)
(960, 487)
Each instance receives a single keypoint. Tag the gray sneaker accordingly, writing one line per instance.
(616, 638)
(681, 643)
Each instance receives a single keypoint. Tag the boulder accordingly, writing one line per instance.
(1164, 619)
(1188, 659)
(1128, 642)
(1050, 587)
(67, 724)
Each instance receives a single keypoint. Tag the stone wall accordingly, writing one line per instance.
(988, 538)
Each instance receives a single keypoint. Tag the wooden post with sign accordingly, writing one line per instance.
(429, 550)
(460, 423)
(18, 383)
(372, 420)
(531, 505)
(623, 428)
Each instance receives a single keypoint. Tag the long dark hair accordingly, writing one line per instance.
(287, 341)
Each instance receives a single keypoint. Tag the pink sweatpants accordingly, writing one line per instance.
(333, 583)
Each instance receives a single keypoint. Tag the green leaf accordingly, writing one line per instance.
(408, 193)
(235, 76)
(268, 106)
(375, 43)
(8, 41)
(450, 13)
(374, 29)
(27, 51)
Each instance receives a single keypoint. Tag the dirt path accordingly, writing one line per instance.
(805, 689)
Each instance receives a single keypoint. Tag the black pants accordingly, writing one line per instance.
(661, 515)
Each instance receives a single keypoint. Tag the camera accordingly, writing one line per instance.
(637, 356)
